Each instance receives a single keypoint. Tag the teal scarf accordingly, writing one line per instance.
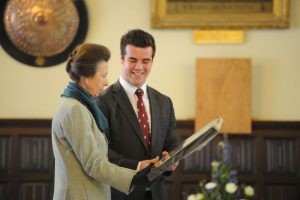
(77, 92)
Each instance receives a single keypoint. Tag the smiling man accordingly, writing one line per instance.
(136, 63)
(141, 119)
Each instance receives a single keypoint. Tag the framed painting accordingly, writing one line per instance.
(220, 14)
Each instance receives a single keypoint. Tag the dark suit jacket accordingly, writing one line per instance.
(125, 137)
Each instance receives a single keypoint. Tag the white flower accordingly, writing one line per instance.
(249, 191)
(230, 188)
(191, 197)
(198, 196)
(222, 144)
(210, 185)
(215, 165)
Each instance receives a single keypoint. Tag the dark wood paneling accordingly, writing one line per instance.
(199, 161)
(242, 154)
(33, 153)
(281, 155)
(282, 192)
(33, 191)
(268, 159)
(3, 191)
(4, 152)
(26, 167)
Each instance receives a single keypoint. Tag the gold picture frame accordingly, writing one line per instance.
(220, 14)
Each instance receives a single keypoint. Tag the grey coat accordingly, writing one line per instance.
(82, 169)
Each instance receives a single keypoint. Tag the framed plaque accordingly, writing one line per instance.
(193, 143)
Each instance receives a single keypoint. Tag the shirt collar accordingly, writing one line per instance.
(130, 89)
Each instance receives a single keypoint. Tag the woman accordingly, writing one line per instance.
(82, 170)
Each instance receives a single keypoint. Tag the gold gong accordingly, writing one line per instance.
(41, 28)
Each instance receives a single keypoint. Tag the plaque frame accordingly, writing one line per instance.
(176, 14)
(195, 142)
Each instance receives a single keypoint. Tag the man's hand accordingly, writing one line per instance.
(145, 163)
(166, 156)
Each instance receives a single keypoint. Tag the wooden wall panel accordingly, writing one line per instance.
(243, 154)
(33, 153)
(199, 161)
(26, 147)
(282, 192)
(281, 156)
(33, 191)
(223, 88)
(26, 173)
(3, 191)
(4, 152)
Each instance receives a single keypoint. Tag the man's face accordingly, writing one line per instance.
(136, 64)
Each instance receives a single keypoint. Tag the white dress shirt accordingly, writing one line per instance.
(130, 91)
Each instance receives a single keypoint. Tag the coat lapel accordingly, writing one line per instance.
(154, 109)
(126, 107)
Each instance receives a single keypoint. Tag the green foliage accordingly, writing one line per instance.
(224, 183)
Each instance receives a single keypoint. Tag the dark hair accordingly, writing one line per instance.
(138, 38)
(84, 59)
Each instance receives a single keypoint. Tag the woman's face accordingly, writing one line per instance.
(95, 84)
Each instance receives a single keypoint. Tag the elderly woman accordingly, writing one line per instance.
(82, 169)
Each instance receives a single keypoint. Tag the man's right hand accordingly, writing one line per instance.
(145, 163)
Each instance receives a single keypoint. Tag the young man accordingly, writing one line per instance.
(141, 120)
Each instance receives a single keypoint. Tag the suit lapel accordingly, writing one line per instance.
(126, 107)
(154, 109)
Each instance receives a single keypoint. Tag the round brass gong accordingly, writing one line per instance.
(42, 32)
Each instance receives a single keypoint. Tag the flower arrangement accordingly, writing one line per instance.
(224, 183)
